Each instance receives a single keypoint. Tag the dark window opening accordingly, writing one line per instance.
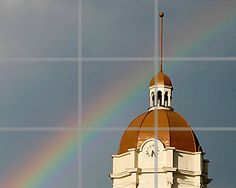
(159, 98)
(153, 99)
(166, 99)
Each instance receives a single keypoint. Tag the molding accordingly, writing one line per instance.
(161, 86)
(165, 108)
(134, 170)
(128, 172)
(153, 170)
(120, 175)
(161, 107)
(169, 148)
(189, 172)
(132, 149)
(169, 169)
(189, 152)
(123, 154)
(159, 170)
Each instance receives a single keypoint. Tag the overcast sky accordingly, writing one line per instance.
(37, 93)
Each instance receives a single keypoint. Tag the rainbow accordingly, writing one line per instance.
(38, 170)
(56, 153)
(213, 31)
(116, 98)
(60, 150)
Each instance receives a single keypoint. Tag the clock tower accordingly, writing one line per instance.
(159, 149)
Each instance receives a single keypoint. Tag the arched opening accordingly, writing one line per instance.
(153, 99)
(159, 98)
(166, 99)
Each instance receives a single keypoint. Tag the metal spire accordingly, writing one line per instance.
(161, 40)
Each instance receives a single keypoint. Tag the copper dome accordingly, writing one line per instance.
(160, 79)
(175, 131)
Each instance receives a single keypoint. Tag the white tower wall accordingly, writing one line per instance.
(167, 168)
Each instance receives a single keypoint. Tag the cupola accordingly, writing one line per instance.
(160, 87)
(160, 92)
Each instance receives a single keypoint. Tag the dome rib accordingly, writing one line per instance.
(127, 141)
(192, 133)
(140, 127)
(169, 124)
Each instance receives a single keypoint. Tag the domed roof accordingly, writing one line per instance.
(174, 131)
(160, 79)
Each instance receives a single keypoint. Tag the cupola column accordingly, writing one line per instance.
(169, 98)
(163, 98)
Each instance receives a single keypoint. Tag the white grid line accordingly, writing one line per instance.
(156, 63)
(89, 129)
(156, 59)
(112, 59)
(36, 59)
(79, 106)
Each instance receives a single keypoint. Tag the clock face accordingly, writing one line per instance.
(152, 148)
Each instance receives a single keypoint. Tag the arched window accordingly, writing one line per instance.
(159, 98)
(153, 99)
(166, 99)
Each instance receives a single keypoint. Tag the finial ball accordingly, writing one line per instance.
(161, 14)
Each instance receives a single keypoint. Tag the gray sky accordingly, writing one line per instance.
(44, 94)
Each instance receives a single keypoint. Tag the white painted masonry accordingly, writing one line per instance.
(167, 168)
